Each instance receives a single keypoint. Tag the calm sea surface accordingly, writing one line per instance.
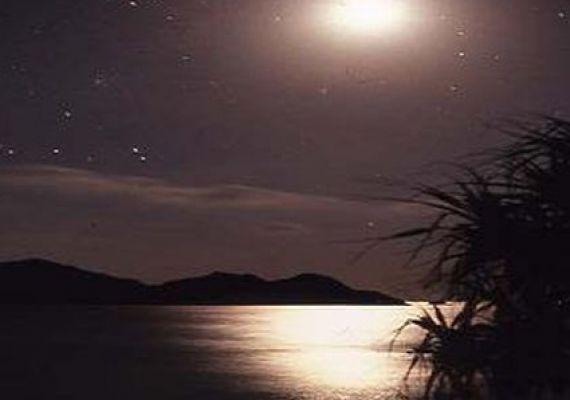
(202, 353)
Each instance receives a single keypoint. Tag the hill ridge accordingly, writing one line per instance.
(40, 281)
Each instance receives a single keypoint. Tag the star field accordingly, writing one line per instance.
(262, 94)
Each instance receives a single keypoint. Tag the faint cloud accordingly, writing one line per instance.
(79, 182)
(287, 228)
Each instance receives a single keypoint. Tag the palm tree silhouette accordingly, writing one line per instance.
(501, 239)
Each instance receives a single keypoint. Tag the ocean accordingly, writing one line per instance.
(203, 353)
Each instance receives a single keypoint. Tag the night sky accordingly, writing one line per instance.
(159, 139)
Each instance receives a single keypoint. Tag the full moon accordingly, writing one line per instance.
(370, 16)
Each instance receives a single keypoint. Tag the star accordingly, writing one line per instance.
(99, 81)
(454, 88)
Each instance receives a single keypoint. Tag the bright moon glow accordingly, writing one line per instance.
(370, 16)
(337, 346)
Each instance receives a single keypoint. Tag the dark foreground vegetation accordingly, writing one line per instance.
(499, 242)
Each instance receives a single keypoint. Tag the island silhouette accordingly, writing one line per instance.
(38, 281)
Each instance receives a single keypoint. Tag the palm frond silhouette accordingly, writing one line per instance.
(501, 239)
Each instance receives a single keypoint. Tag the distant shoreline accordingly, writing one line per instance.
(43, 282)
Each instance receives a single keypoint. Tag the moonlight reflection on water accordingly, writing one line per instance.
(323, 352)
(207, 353)
(336, 346)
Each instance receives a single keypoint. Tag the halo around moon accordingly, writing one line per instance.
(369, 17)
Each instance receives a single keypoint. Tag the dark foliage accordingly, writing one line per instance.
(501, 240)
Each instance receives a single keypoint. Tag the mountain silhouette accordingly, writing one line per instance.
(40, 281)
(37, 281)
